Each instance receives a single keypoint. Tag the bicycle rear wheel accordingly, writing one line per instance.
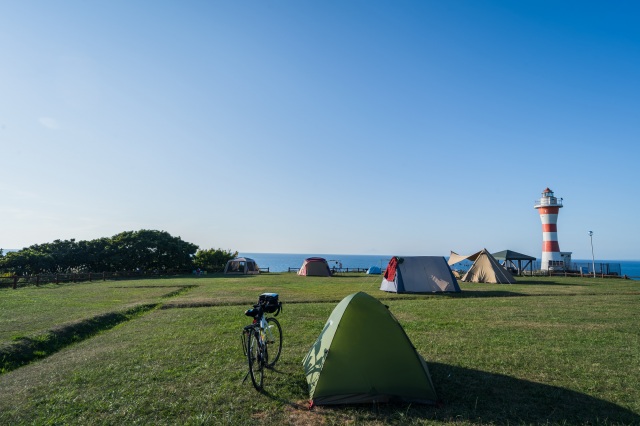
(274, 342)
(255, 355)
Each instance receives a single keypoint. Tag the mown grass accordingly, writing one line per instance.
(32, 310)
(544, 351)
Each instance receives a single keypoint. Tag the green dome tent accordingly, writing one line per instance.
(364, 355)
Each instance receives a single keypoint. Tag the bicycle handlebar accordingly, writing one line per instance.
(261, 307)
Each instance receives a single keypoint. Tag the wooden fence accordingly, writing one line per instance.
(334, 270)
(547, 273)
(16, 281)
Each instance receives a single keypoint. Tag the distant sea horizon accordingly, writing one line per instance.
(281, 262)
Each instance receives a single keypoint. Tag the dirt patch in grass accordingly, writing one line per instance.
(202, 303)
(302, 416)
(178, 291)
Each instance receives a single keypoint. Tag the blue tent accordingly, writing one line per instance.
(374, 270)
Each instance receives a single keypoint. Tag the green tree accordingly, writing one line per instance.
(150, 250)
(26, 261)
(213, 260)
(145, 250)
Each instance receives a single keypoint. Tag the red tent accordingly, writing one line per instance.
(315, 266)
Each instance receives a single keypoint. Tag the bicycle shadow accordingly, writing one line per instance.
(299, 385)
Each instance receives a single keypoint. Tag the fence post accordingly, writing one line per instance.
(15, 282)
(37, 280)
(57, 279)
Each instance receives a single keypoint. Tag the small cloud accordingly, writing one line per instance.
(48, 122)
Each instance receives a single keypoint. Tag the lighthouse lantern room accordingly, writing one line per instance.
(548, 206)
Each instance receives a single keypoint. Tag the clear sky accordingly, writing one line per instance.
(347, 127)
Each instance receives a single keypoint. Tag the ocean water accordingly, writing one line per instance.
(281, 262)
(630, 268)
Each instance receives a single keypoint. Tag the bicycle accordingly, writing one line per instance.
(262, 339)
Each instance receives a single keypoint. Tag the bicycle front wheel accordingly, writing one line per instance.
(255, 355)
(274, 342)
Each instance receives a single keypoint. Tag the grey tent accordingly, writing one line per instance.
(241, 265)
(419, 274)
(363, 355)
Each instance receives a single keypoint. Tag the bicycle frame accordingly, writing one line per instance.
(257, 340)
(264, 332)
(266, 335)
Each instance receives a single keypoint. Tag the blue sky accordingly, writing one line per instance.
(354, 127)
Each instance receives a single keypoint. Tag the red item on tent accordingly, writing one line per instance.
(390, 272)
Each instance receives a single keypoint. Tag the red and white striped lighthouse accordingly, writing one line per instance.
(549, 207)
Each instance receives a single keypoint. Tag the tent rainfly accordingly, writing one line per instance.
(363, 355)
(315, 266)
(486, 269)
(419, 274)
(241, 265)
(455, 258)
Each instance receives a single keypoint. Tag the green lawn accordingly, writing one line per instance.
(543, 351)
(32, 310)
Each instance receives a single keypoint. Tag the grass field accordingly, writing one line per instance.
(167, 351)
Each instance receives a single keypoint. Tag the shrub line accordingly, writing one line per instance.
(29, 349)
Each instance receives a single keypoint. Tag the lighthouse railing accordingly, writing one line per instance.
(546, 202)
